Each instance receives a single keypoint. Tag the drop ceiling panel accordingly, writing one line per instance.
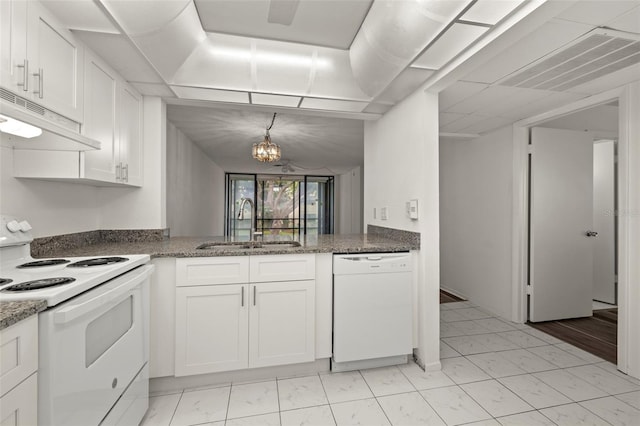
(211, 94)
(121, 55)
(142, 17)
(333, 105)
(445, 118)
(80, 15)
(405, 84)
(321, 23)
(464, 122)
(487, 124)
(458, 92)
(544, 40)
(479, 101)
(283, 69)
(514, 100)
(209, 66)
(453, 41)
(546, 103)
(490, 11)
(610, 81)
(597, 12)
(276, 100)
(629, 22)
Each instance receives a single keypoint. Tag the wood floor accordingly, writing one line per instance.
(597, 334)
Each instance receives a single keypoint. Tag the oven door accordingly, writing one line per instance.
(91, 348)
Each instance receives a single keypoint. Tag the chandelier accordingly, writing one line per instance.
(266, 151)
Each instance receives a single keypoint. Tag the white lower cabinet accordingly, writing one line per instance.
(281, 323)
(223, 327)
(211, 328)
(18, 373)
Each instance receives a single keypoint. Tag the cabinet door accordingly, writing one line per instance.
(55, 64)
(130, 131)
(281, 323)
(100, 118)
(20, 406)
(211, 329)
(13, 46)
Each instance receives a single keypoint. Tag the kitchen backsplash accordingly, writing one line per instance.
(43, 246)
(408, 237)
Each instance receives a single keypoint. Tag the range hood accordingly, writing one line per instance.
(55, 137)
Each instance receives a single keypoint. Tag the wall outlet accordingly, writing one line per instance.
(384, 213)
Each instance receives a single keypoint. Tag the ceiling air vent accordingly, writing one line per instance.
(597, 53)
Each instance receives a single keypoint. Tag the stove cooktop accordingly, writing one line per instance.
(56, 280)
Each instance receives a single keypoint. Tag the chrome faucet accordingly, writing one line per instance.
(244, 201)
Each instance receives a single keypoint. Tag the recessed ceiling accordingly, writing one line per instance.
(311, 144)
(320, 23)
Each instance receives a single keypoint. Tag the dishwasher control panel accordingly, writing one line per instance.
(371, 263)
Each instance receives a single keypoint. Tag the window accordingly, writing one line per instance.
(285, 207)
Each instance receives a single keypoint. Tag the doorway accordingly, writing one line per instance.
(626, 97)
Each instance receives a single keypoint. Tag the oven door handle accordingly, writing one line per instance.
(135, 278)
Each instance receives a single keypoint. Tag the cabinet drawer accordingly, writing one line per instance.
(282, 267)
(18, 353)
(212, 270)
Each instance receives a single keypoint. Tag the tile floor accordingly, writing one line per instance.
(493, 373)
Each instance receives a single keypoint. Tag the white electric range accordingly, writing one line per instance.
(94, 334)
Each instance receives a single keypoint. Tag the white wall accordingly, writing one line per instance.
(142, 208)
(476, 178)
(348, 202)
(401, 163)
(55, 208)
(51, 207)
(195, 188)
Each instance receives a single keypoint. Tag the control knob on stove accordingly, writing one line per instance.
(13, 226)
(25, 226)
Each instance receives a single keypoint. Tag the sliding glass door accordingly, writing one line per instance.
(285, 207)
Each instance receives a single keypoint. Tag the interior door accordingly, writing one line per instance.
(561, 203)
(604, 262)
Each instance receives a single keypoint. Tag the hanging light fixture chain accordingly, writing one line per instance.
(272, 120)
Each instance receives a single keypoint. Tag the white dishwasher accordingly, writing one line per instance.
(372, 310)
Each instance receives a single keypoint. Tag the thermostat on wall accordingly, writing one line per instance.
(413, 209)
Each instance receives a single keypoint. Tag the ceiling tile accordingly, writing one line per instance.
(277, 100)
(215, 95)
(514, 100)
(490, 11)
(542, 41)
(597, 12)
(453, 41)
(445, 118)
(480, 100)
(464, 122)
(547, 103)
(118, 52)
(629, 22)
(404, 84)
(321, 23)
(333, 105)
(488, 124)
(80, 15)
(458, 92)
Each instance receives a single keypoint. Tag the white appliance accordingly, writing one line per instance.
(372, 310)
(94, 335)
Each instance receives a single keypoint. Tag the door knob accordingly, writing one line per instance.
(591, 234)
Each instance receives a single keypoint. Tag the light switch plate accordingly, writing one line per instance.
(413, 209)
(383, 213)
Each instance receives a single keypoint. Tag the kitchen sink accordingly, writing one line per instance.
(247, 245)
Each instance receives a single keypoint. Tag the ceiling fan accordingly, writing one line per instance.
(286, 166)
(282, 11)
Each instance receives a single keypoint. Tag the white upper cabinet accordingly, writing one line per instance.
(113, 116)
(100, 118)
(55, 63)
(41, 60)
(13, 45)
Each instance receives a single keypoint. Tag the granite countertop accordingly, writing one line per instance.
(186, 247)
(13, 312)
